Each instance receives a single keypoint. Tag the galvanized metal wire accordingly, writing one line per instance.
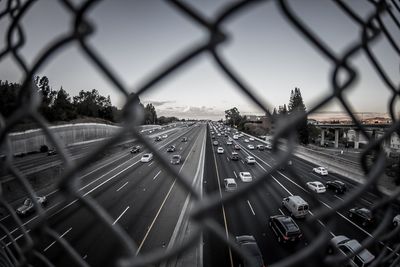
(370, 28)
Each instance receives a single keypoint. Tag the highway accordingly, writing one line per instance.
(148, 203)
(141, 197)
(249, 215)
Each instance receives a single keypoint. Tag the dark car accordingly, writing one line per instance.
(171, 149)
(176, 159)
(285, 228)
(135, 149)
(158, 139)
(234, 156)
(363, 215)
(337, 186)
(260, 147)
(28, 205)
(51, 152)
(184, 139)
(249, 246)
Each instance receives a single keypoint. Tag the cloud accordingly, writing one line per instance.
(194, 112)
(159, 103)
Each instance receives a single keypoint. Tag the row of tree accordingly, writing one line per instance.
(60, 106)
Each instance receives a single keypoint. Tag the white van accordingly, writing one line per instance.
(230, 184)
(297, 206)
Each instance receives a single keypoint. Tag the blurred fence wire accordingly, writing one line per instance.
(371, 29)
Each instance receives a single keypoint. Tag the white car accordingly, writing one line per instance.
(246, 140)
(250, 160)
(236, 137)
(317, 187)
(251, 139)
(220, 150)
(164, 136)
(229, 142)
(396, 220)
(245, 177)
(251, 147)
(320, 170)
(146, 157)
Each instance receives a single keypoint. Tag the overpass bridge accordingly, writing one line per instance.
(375, 131)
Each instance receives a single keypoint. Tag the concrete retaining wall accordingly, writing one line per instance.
(32, 140)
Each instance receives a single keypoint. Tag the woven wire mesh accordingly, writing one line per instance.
(370, 29)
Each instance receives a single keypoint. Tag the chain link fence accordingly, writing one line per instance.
(371, 29)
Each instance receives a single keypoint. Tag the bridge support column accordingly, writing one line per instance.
(336, 138)
(322, 137)
(357, 140)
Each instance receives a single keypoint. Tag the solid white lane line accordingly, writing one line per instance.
(281, 211)
(61, 236)
(251, 208)
(156, 175)
(367, 201)
(321, 223)
(150, 164)
(235, 174)
(119, 217)
(122, 186)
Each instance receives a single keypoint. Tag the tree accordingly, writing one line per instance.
(233, 117)
(48, 95)
(8, 97)
(297, 108)
(63, 108)
(150, 114)
(282, 110)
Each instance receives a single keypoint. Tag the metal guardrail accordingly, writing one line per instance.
(370, 28)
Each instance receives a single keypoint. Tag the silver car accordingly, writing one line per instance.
(28, 205)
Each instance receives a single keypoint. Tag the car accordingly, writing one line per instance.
(285, 228)
(212, 137)
(164, 136)
(316, 186)
(176, 159)
(363, 215)
(229, 142)
(147, 157)
(236, 137)
(215, 143)
(268, 146)
(51, 152)
(245, 177)
(157, 139)
(28, 205)
(246, 140)
(251, 139)
(251, 147)
(248, 244)
(171, 148)
(234, 156)
(237, 147)
(337, 186)
(136, 149)
(396, 220)
(184, 139)
(220, 150)
(218, 134)
(230, 184)
(250, 160)
(320, 170)
(260, 147)
(346, 246)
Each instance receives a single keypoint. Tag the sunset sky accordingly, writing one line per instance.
(135, 38)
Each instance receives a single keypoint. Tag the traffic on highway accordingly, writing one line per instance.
(271, 222)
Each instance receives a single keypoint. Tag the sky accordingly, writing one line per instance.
(137, 38)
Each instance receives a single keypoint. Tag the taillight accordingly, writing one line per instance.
(285, 237)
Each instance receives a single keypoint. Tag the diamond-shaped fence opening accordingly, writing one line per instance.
(23, 246)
